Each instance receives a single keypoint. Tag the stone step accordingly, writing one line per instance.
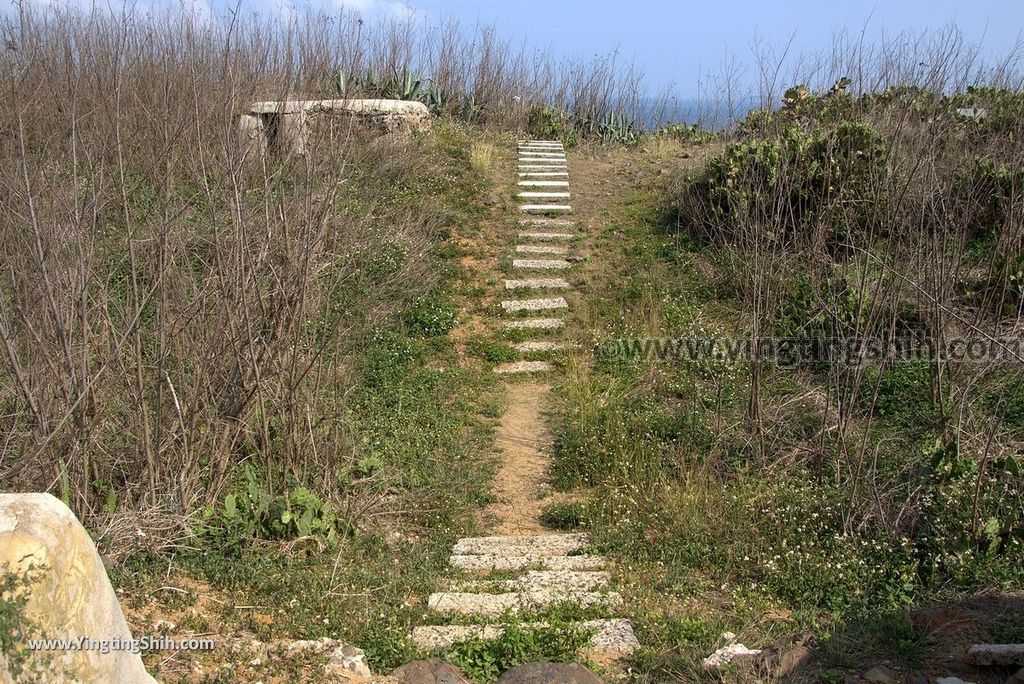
(514, 305)
(484, 563)
(547, 237)
(541, 144)
(544, 174)
(513, 602)
(543, 167)
(545, 208)
(543, 195)
(612, 639)
(551, 161)
(538, 346)
(523, 367)
(537, 284)
(539, 222)
(536, 323)
(541, 264)
(541, 249)
(524, 545)
(538, 580)
(544, 157)
(543, 184)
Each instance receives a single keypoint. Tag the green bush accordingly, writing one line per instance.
(568, 515)
(549, 123)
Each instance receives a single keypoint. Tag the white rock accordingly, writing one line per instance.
(728, 654)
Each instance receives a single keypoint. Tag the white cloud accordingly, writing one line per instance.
(388, 8)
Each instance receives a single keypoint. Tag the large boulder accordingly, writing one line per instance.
(547, 673)
(286, 126)
(68, 596)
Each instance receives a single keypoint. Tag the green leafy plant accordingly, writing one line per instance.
(250, 512)
(483, 661)
(16, 629)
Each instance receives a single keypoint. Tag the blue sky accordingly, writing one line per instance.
(674, 42)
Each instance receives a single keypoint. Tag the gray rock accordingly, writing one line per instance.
(784, 663)
(879, 675)
(429, 672)
(996, 654)
(549, 673)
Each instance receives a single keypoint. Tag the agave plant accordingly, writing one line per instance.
(371, 81)
(406, 87)
(472, 109)
(437, 99)
(616, 127)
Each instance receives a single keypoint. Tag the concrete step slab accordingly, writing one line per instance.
(523, 367)
(543, 184)
(514, 602)
(541, 249)
(547, 237)
(545, 209)
(537, 284)
(543, 195)
(543, 174)
(536, 323)
(551, 303)
(485, 563)
(541, 264)
(612, 639)
(538, 346)
(522, 545)
(546, 222)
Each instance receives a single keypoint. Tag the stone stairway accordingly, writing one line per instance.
(543, 248)
(520, 577)
(548, 575)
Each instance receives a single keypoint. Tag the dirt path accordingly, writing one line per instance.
(522, 485)
(524, 441)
